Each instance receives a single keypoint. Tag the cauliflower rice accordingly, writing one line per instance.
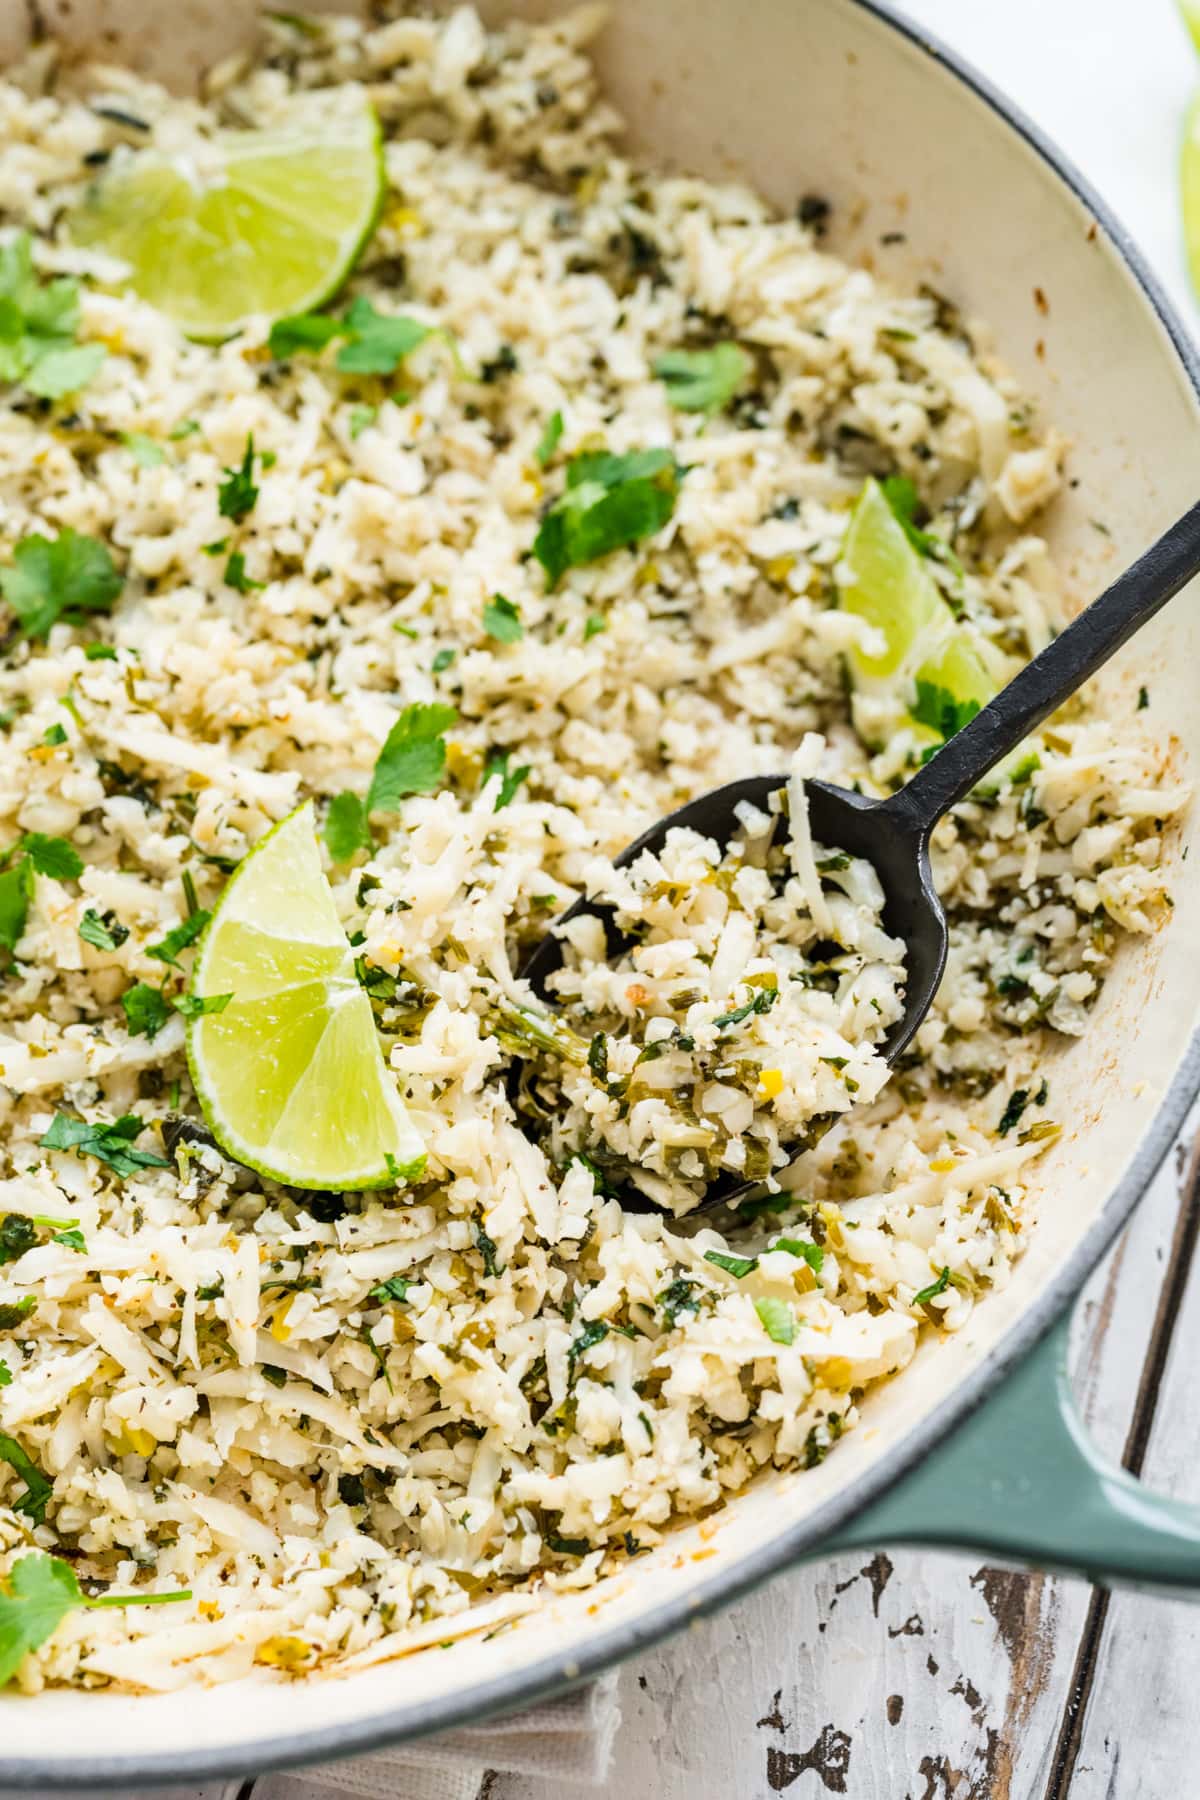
(350, 1424)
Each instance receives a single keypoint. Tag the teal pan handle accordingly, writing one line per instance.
(1021, 1481)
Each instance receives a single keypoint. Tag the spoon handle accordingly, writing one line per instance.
(1063, 666)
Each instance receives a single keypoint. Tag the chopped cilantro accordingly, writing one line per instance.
(237, 493)
(940, 710)
(37, 1595)
(197, 1006)
(236, 576)
(934, 1289)
(303, 331)
(762, 1000)
(510, 781)
(361, 417)
(394, 1288)
(778, 1319)
(412, 758)
(593, 1333)
(563, 1546)
(376, 343)
(346, 829)
(179, 938)
(38, 322)
(548, 442)
(64, 577)
(185, 428)
(52, 856)
(610, 501)
(502, 621)
(1018, 1100)
(703, 380)
(813, 1254)
(37, 1488)
(54, 735)
(679, 1297)
(72, 1239)
(146, 453)
(100, 652)
(146, 1009)
(487, 1249)
(443, 660)
(14, 1313)
(5, 1374)
(732, 1265)
(17, 1235)
(16, 891)
(593, 626)
(597, 1056)
(109, 1141)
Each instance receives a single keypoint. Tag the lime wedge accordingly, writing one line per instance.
(1189, 173)
(289, 1073)
(885, 582)
(249, 222)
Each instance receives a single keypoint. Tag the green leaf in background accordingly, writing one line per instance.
(62, 577)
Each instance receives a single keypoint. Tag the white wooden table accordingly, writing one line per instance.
(927, 1677)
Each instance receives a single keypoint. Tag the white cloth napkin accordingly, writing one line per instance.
(569, 1740)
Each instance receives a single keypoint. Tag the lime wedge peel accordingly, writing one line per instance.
(254, 224)
(290, 1075)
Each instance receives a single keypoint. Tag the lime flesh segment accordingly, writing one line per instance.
(290, 1074)
(254, 223)
(884, 581)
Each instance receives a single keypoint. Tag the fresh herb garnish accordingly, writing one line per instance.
(502, 621)
(412, 758)
(703, 380)
(940, 710)
(1018, 1100)
(376, 343)
(236, 576)
(548, 442)
(52, 856)
(146, 1009)
(593, 626)
(510, 780)
(443, 660)
(5, 1374)
(179, 938)
(593, 1333)
(346, 831)
(597, 1056)
(934, 1289)
(679, 1297)
(732, 1265)
(37, 1488)
(100, 652)
(17, 1235)
(15, 1312)
(563, 1546)
(109, 1141)
(237, 493)
(65, 577)
(36, 1597)
(361, 417)
(185, 428)
(395, 1288)
(38, 322)
(198, 1006)
(54, 735)
(778, 1319)
(813, 1254)
(145, 451)
(487, 1249)
(610, 501)
(761, 1001)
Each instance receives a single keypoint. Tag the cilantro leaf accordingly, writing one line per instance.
(63, 369)
(761, 1001)
(72, 1238)
(732, 1265)
(412, 758)
(146, 1011)
(813, 1254)
(100, 652)
(361, 419)
(703, 380)
(36, 1597)
(502, 621)
(146, 452)
(679, 1297)
(62, 577)
(54, 735)
(548, 442)
(179, 938)
(53, 856)
(486, 1247)
(109, 1141)
(303, 331)
(1018, 1100)
(39, 1593)
(14, 1313)
(443, 660)
(934, 1289)
(938, 709)
(592, 1334)
(610, 502)
(378, 342)
(778, 1319)
(510, 781)
(197, 1006)
(16, 891)
(102, 932)
(394, 1288)
(17, 1235)
(346, 828)
(37, 1488)
(5, 1374)
(237, 493)
(38, 321)
(236, 576)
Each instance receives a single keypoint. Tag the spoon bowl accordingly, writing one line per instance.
(893, 834)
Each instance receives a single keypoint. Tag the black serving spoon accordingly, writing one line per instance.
(893, 834)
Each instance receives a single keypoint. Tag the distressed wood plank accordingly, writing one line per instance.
(912, 1675)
